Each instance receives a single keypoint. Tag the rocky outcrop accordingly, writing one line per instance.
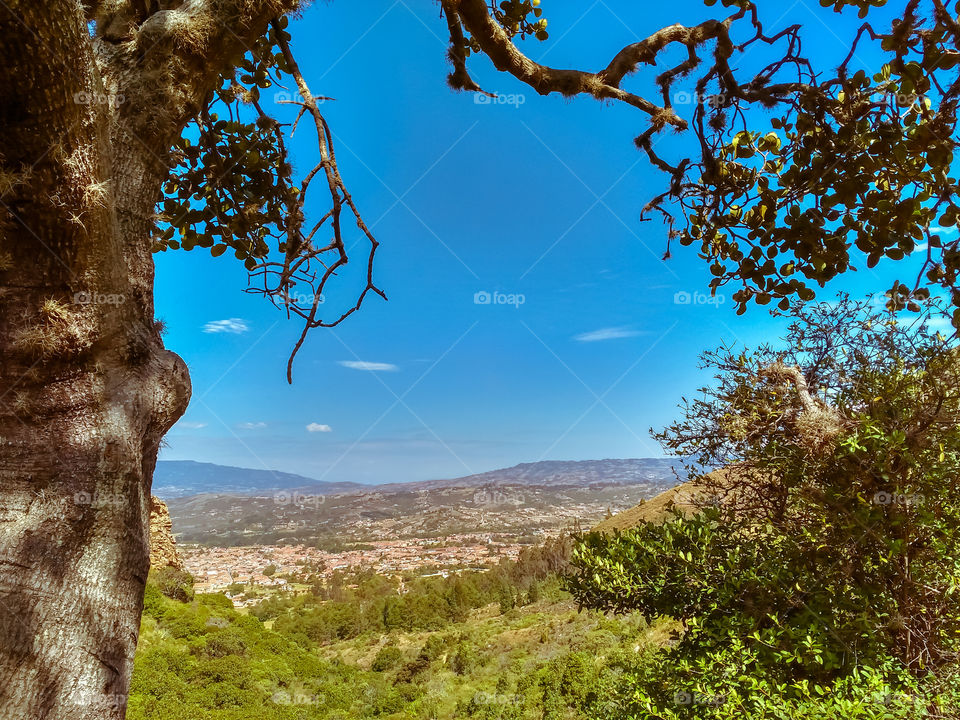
(163, 548)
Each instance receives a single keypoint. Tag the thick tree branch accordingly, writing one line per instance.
(474, 16)
(497, 45)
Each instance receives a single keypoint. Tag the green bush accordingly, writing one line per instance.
(388, 658)
(175, 584)
(826, 576)
(464, 658)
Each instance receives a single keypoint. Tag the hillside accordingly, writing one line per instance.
(684, 497)
(526, 500)
(508, 644)
(553, 473)
(652, 510)
(181, 478)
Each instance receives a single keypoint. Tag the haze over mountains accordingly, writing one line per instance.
(554, 473)
(181, 478)
(215, 504)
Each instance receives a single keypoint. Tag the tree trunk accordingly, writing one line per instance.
(86, 388)
(88, 114)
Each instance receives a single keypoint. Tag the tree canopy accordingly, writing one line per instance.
(793, 173)
(819, 576)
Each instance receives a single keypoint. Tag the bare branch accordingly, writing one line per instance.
(304, 262)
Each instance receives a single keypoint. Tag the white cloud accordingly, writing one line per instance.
(317, 427)
(188, 425)
(252, 425)
(610, 333)
(944, 230)
(369, 366)
(940, 324)
(235, 326)
(920, 248)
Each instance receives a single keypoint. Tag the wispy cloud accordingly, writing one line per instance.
(252, 425)
(368, 366)
(940, 324)
(317, 427)
(188, 425)
(235, 326)
(610, 333)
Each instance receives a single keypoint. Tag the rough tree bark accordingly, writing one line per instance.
(87, 389)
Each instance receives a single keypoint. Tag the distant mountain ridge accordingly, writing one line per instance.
(528, 501)
(182, 478)
(563, 473)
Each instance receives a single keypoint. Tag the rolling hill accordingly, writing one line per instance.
(180, 478)
(525, 500)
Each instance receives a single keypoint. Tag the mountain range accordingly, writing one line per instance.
(182, 478)
(214, 504)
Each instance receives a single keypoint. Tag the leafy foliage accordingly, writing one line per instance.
(794, 174)
(514, 16)
(232, 187)
(339, 612)
(821, 571)
(203, 659)
(852, 167)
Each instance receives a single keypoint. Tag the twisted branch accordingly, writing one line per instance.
(474, 16)
(302, 256)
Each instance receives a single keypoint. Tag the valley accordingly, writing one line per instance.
(522, 504)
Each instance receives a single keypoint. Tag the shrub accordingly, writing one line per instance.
(824, 572)
(175, 584)
(387, 658)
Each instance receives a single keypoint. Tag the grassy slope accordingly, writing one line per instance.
(511, 654)
(682, 497)
(651, 510)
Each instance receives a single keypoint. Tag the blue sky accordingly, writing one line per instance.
(537, 197)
